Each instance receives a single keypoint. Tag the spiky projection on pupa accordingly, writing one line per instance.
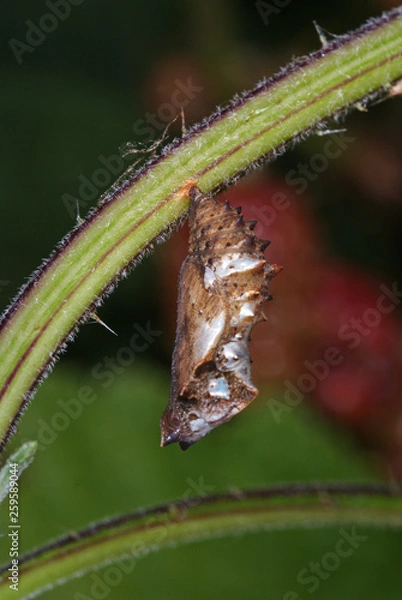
(223, 286)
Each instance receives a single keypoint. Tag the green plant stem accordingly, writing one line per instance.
(133, 536)
(142, 206)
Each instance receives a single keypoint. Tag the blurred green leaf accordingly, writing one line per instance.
(23, 458)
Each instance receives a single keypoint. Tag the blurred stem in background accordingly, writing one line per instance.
(198, 519)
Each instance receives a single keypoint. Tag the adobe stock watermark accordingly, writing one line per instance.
(302, 175)
(266, 10)
(316, 572)
(14, 526)
(105, 371)
(37, 32)
(101, 585)
(145, 130)
(352, 332)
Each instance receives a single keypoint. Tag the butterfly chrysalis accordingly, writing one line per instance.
(223, 286)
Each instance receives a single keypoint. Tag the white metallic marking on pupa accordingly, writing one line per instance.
(209, 278)
(219, 388)
(247, 311)
(199, 427)
(244, 318)
(232, 356)
(235, 357)
(208, 335)
(238, 262)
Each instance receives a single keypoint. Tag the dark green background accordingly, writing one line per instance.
(74, 98)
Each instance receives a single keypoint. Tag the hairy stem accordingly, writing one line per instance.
(142, 206)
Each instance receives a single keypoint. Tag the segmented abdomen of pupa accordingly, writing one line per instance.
(217, 228)
(225, 245)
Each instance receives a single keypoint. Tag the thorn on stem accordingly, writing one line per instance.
(95, 317)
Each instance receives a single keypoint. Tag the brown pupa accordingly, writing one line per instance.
(223, 286)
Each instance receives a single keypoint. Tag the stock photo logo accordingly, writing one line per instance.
(354, 337)
(319, 571)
